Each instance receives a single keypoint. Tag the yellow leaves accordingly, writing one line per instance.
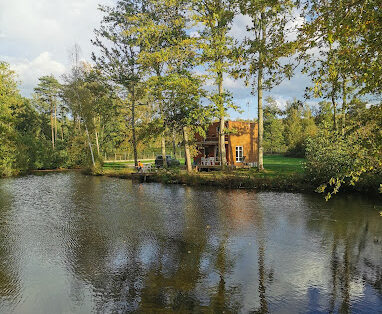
(330, 38)
(321, 188)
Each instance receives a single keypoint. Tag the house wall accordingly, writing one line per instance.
(210, 133)
(242, 134)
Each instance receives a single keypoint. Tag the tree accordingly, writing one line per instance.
(184, 109)
(9, 96)
(265, 50)
(88, 99)
(47, 92)
(161, 36)
(119, 50)
(299, 125)
(323, 115)
(273, 127)
(353, 30)
(215, 18)
(335, 160)
(293, 129)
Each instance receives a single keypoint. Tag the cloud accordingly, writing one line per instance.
(37, 36)
(239, 27)
(30, 70)
(38, 31)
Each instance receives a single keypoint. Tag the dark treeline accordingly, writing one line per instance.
(152, 60)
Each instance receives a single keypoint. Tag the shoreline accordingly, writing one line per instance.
(295, 183)
(290, 183)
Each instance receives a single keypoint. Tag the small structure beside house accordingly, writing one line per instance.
(240, 144)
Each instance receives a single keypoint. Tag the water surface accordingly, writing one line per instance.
(77, 244)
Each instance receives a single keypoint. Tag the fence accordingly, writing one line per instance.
(143, 156)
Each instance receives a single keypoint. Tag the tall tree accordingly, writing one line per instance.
(9, 97)
(88, 99)
(265, 49)
(273, 127)
(47, 92)
(353, 29)
(215, 18)
(169, 54)
(118, 56)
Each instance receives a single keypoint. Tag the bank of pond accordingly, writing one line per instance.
(241, 179)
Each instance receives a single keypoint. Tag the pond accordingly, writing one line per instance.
(71, 243)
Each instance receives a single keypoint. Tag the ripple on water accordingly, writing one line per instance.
(79, 244)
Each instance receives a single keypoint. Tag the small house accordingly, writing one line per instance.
(240, 144)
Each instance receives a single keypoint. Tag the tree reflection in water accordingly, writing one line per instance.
(9, 272)
(355, 257)
(112, 246)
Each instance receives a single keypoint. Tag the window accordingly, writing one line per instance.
(239, 153)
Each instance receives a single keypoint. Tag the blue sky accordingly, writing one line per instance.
(36, 37)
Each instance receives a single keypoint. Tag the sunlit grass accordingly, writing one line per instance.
(275, 165)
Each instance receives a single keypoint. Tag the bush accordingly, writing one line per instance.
(352, 159)
(328, 155)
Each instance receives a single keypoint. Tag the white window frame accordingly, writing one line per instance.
(239, 154)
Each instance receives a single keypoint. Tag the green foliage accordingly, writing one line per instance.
(273, 128)
(299, 126)
(267, 46)
(334, 160)
(10, 156)
(216, 46)
(352, 32)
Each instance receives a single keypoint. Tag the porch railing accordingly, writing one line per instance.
(209, 161)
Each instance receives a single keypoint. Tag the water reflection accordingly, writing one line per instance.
(356, 253)
(9, 277)
(91, 244)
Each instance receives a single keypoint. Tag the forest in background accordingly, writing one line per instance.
(157, 77)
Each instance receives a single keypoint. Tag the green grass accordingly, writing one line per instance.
(125, 164)
(130, 163)
(277, 164)
(280, 173)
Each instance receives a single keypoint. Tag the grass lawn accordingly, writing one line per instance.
(274, 165)
(130, 163)
(280, 173)
(125, 164)
(277, 164)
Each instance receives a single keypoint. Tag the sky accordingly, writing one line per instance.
(36, 37)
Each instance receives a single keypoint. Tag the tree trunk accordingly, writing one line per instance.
(344, 105)
(222, 153)
(174, 142)
(55, 121)
(62, 129)
(260, 164)
(134, 139)
(334, 112)
(90, 145)
(163, 146)
(187, 150)
(52, 126)
(97, 142)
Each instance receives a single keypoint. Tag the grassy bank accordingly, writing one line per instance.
(281, 173)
